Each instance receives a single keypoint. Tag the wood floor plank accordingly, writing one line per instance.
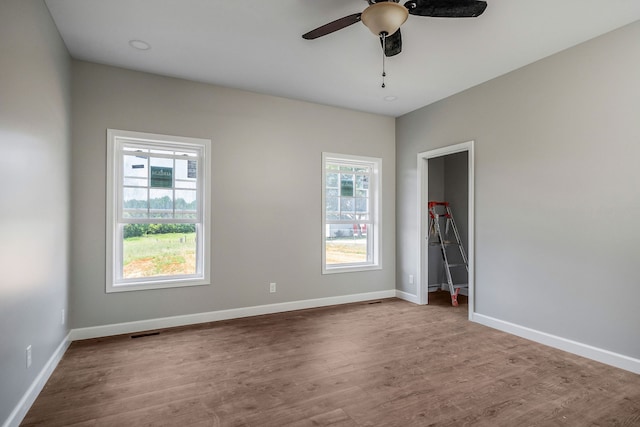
(386, 364)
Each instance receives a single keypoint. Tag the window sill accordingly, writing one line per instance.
(151, 285)
(350, 269)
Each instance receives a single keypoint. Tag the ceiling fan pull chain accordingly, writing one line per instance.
(384, 49)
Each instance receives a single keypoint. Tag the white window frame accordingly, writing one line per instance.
(116, 139)
(374, 229)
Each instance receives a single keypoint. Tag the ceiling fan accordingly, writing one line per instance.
(384, 18)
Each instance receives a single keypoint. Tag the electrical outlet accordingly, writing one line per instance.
(62, 317)
(272, 287)
(29, 356)
(411, 279)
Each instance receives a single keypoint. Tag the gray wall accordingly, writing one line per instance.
(557, 200)
(266, 182)
(34, 139)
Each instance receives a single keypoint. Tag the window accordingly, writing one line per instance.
(157, 211)
(350, 213)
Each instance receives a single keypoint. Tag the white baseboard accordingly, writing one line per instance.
(213, 316)
(407, 297)
(21, 409)
(594, 353)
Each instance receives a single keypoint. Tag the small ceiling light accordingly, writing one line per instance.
(139, 44)
(385, 17)
(390, 98)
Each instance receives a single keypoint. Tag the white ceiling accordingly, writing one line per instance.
(256, 45)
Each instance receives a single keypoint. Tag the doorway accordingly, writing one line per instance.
(446, 174)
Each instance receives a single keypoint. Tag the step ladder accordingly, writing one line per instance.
(453, 254)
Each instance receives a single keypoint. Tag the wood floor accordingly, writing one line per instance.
(388, 364)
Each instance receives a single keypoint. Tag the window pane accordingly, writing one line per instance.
(332, 180)
(332, 192)
(346, 168)
(346, 185)
(134, 203)
(186, 201)
(153, 250)
(186, 169)
(346, 244)
(362, 182)
(161, 176)
(362, 205)
(347, 208)
(135, 166)
(332, 210)
(161, 203)
(161, 172)
(161, 161)
(362, 193)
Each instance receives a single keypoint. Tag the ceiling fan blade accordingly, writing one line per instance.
(392, 44)
(329, 28)
(446, 8)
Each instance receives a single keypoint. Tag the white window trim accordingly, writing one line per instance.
(375, 186)
(204, 176)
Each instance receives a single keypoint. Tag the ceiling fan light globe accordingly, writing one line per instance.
(384, 17)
